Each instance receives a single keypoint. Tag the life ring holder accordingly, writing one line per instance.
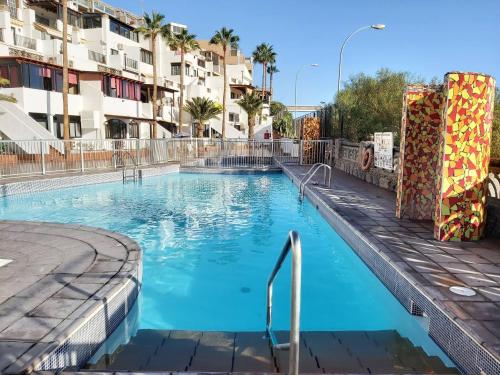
(366, 160)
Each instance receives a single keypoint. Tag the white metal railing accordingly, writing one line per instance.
(34, 157)
(24, 41)
(97, 57)
(292, 243)
(130, 64)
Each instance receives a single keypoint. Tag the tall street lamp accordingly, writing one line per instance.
(296, 80)
(377, 26)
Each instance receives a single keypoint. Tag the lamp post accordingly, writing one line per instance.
(296, 80)
(377, 26)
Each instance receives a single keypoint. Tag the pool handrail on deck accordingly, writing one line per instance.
(310, 174)
(293, 243)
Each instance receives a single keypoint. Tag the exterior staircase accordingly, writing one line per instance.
(354, 352)
(231, 131)
(18, 125)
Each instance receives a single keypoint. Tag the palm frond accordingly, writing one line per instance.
(251, 103)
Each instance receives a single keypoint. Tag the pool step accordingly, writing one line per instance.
(360, 352)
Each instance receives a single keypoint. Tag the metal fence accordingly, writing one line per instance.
(35, 157)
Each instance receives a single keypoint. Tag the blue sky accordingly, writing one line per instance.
(424, 37)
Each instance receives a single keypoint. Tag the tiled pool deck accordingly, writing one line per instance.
(430, 265)
(59, 277)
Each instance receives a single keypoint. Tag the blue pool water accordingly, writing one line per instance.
(210, 242)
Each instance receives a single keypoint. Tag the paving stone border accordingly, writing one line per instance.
(462, 336)
(67, 289)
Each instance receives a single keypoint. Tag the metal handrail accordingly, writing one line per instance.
(310, 174)
(293, 243)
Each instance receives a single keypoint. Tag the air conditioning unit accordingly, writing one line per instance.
(119, 46)
(52, 60)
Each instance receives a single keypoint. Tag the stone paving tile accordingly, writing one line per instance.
(29, 328)
(433, 265)
(11, 350)
(52, 282)
(56, 308)
(78, 291)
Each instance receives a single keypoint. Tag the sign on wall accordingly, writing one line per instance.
(384, 143)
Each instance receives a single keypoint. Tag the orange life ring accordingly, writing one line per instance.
(367, 159)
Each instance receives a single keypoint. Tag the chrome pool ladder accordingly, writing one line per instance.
(310, 174)
(292, 243)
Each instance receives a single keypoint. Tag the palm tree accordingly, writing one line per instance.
(271, 70)
(226, 38)
(252, 104)
(152, 28)
(264, 54)
(202, 110)
(65, 88)
(185, 43)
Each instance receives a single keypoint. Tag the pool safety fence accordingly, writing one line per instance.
(41, 157)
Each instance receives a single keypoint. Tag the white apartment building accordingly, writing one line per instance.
(111, 75)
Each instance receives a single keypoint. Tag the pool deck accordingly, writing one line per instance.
(431, 265)
(58, 276)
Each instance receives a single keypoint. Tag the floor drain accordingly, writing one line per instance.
(462, 291)
(245, 290)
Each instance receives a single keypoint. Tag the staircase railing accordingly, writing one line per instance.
(292, 243)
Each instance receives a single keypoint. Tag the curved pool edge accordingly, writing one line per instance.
(101, 275)
(461, 344)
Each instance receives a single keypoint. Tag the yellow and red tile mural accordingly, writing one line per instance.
(419, 150)
(464, 156)
(444, 154)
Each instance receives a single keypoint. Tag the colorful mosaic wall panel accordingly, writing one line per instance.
(464, 156)
(419, 150)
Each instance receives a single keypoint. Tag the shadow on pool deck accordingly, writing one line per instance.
(410, 245)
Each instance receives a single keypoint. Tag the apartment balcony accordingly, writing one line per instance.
(25, 42)
(169, 113)
(217, 69)
(97, 57)
(130, 65)
(169, 83)
(84, 3)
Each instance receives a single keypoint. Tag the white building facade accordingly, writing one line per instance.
(111, 76)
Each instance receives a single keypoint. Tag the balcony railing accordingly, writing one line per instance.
(130, 64)
(12, 9)
(84, 3)
(97, 57)
(24, 41)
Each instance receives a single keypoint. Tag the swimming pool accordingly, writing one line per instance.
(210, 242)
